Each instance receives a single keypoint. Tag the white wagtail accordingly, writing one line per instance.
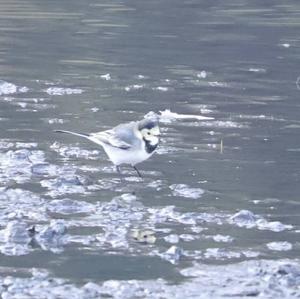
(129, 143)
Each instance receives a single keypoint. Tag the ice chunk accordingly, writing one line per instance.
(106, 77)
(59, 91)
(184, 190)
(280, 246)
(244, 218)
(168, 115)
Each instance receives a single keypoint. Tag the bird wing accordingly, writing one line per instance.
(109, 137)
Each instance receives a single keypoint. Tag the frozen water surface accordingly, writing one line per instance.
(216, 213)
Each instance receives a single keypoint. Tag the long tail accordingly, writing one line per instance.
(73, 133)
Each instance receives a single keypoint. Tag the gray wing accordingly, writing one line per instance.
(123, 136)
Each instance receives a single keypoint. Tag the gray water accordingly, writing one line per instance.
(217, 211)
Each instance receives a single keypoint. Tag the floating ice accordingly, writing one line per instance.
(134, 87)
(115, 236)
(245, 218)
(21, 204)
(15, 239)
(6, 145)
(167, 214)
(161, 88)
(218, 84)
(263, 279)
(7, 88)
(186, 191)
(257, 70)
(188, 237)
(250, 253)
(202, 75)
(65, 184)
(222, 238)
(95, 109)
(161, 215)
(16, 164)
(157, 185)
(274, 226)
(52, 237)
(28, 145)
(285, 45)
(168, 115)
(44, 169)
(173, 238)
(68, 206)
(280, 246)
(55, 121)
(221, 124)
(59, 91)
(221, 254)
(74, 151)
(106, 77)
(172, 255)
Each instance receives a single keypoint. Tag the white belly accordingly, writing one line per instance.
(120, 156)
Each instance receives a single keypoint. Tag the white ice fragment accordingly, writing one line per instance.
(134, 87)
(68, 206)
(128, 197)
(161, 88)
(55, 121)
(52, 237)
(172, 255)
(10, 88)
(222, 238)
(250, 253)
(202, 74)
(275, 226)
(106, 77)
(173, 238)
(221, 253)
(168, 115)
(217, 84)
(285, 45)
(244, 218)
(73, 151)
(221, 124)
(59, 91)
(184, 190)
(26, 144)
(188, 237)
(67, 184)
(22, 104)
(16, 232)
(257, 70)
(23, 89)
(15, 239)
(280, 246)
(95, 109)
(7, 88)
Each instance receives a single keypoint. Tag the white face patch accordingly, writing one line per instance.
(151, 135)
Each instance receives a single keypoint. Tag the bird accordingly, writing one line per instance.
(127, 143)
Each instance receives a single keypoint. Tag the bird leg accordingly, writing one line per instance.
(137, 171)
(118, 170)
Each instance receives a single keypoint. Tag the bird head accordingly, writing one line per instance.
(150, 130)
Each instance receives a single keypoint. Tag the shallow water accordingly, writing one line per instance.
(221, 195)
